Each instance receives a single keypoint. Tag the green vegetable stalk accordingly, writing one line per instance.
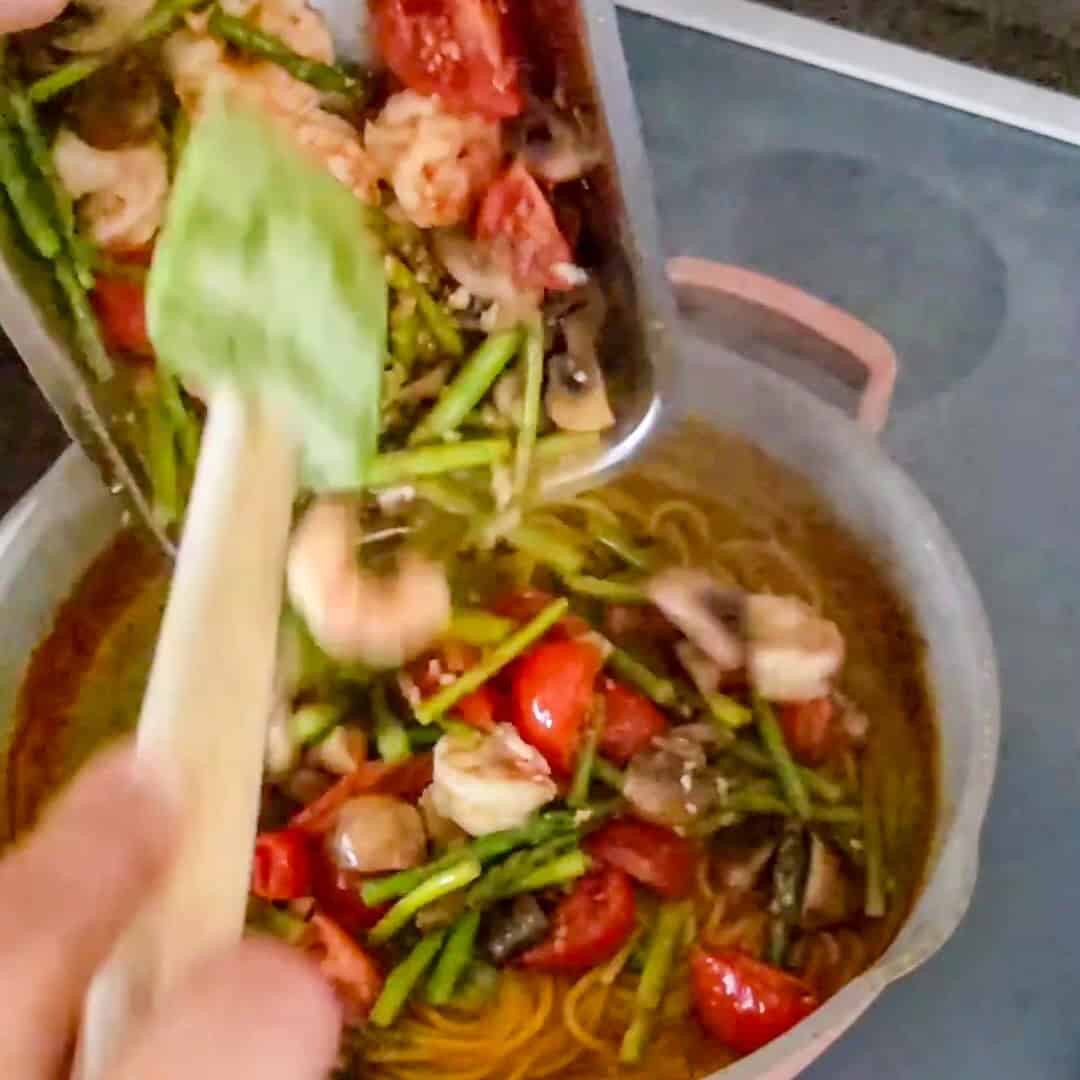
(249, 39)
(390, 738)
(532, 364)
(440, 323)
(470, 384)
(586, 762)
(514, 874)
(788, 879)
(546, 547)
(400, 982)
(787, 773)
(538, 830)
(397, 466)
(25, 195)
(455, 958)
(659, 961)
(610, 590)
(510, 649)
(441, 884)
(475, 626)
(633, 671)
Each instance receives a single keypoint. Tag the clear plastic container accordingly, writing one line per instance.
(49, 538)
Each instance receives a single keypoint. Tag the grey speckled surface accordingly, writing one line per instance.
(960, 240)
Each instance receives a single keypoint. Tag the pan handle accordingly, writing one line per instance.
(839, 328)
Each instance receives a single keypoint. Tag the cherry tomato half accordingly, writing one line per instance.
(517, 222)
(354, 974)
(481, 708)
(458, 50)
(631, 722)
(337, 893)
(809, 729)
(552, 692)
(589, 926)
(282, 868)
(121, 308)
(743, 1002)
(655, 856)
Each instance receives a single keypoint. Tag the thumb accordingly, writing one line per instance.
(258, 1009)
(67, 894)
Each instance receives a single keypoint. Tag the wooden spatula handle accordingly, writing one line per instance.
(203, 718)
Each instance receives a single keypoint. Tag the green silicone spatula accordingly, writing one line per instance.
(268, 294)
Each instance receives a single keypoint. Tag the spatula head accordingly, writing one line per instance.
(266, 275)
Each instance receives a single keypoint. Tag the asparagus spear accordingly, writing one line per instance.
(440, 884)
(787, 773)
(789, 872)
(242, 35)
(434, 707)
(470, 384)
(455, 958)
(400, 982)
(485, 848)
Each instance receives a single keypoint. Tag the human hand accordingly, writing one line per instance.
(257, 1009)
(26, 14)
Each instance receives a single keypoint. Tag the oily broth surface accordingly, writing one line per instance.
(764, 528)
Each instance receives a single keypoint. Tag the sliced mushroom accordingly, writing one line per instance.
(703, 671)
(668, 789)
(827, 892)
(576, 396)
(710, 615)
(377, 833)
(793, 652)
(741, 869)
(515, 926)
(558, 150)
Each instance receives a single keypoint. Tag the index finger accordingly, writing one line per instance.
(67, 894)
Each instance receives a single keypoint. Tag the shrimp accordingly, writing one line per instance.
(436, 162)
(485, 783)
(121, 192)
(353, 614)
(793, 652)
(200, 67)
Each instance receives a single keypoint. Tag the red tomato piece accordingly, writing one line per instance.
(354, 974)
(654, 856)
(282, 866)
(631, 722)
(516, 221)
(589, 926)
(407, 779)
(809, 729)
(458, 50)
(552, 691)
(480, 708)
(121, 308)
(743, 1002)
(337, 893)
